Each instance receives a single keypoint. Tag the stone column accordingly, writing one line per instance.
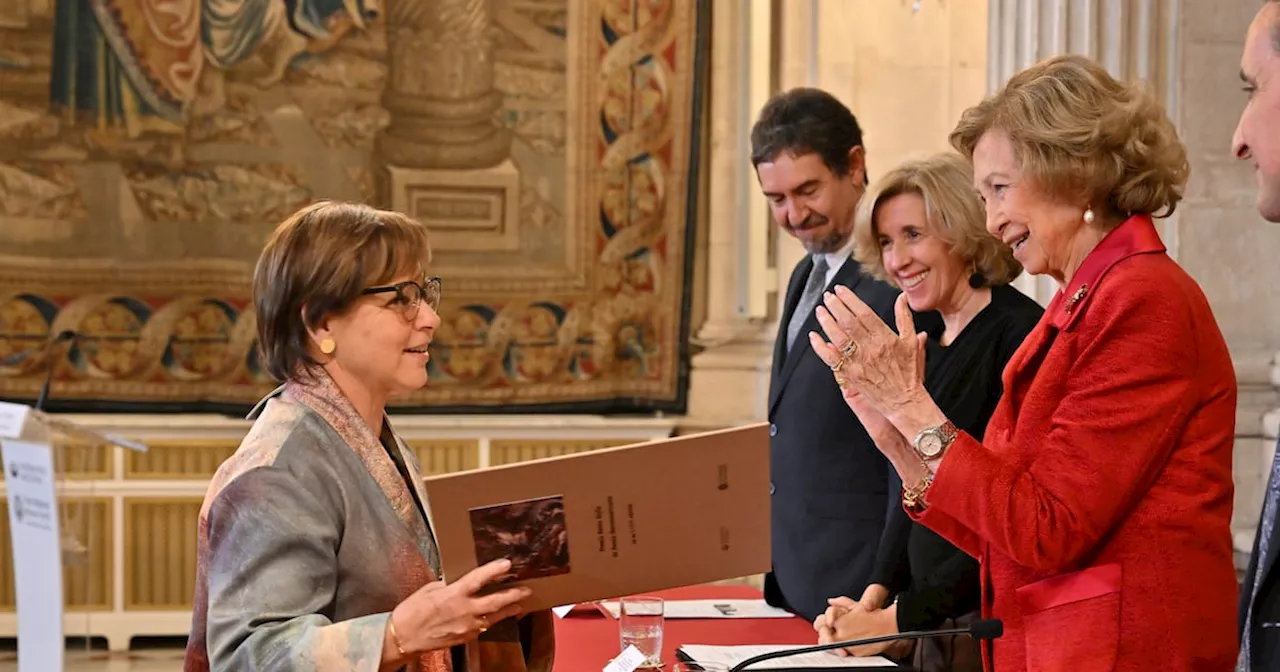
(1223, 241)
(1133, 40)
(444, 156)
(729, 379)
(801, 56)
(440, 89)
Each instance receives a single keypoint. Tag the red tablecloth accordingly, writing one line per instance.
(587, 640)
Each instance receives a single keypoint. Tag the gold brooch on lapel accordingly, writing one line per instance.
(1075, 298)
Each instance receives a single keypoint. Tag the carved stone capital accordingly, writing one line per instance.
(440, 87)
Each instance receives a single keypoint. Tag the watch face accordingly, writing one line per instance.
(930, 445)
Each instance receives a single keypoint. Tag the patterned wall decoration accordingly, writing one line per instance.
(148, 147)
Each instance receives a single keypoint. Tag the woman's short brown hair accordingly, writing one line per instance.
(954, 213)
(1083, 137)
(317, 263)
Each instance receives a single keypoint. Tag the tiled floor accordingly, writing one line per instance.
(154, 660)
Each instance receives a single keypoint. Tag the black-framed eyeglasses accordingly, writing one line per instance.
(410, 294)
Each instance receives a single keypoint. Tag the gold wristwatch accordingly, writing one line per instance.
(932, 442)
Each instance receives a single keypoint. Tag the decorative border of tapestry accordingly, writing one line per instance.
(550, 146)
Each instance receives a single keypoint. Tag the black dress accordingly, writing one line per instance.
(934, 581)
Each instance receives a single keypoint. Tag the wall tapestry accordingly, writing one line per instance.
(148, 147)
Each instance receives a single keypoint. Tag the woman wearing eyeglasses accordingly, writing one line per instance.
(314, 547)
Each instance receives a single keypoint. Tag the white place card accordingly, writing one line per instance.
(628, 661)
(563, 610)
(13, 417)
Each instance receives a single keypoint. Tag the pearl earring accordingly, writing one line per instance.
(1088, 216)
(327, 346)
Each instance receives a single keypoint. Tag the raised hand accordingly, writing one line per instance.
(885, 368)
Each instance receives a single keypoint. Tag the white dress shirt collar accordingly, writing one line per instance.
(836, 259)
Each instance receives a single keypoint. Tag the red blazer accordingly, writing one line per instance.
(1099, 502)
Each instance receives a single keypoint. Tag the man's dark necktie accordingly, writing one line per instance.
(808, 298)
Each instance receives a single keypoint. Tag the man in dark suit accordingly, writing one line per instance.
(829, 482)
(1256, 140)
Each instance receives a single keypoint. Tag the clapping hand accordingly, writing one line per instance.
(842, 354)
(885, 369)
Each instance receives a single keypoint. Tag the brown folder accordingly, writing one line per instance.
(613, 522)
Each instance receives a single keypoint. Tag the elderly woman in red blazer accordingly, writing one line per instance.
(1099, 499)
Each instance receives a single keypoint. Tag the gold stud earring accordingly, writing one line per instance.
(327, 346)
(1088, 216)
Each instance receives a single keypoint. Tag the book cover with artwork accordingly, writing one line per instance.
(531, 534)
(613, 522)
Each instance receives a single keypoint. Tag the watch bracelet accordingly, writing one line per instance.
(914, 495)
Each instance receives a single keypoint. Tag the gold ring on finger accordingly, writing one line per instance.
(849, 349)
(839, 363)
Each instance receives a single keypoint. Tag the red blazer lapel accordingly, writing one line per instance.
(1137, 235)
(1020, 372)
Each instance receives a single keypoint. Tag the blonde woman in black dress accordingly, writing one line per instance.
(922, 228)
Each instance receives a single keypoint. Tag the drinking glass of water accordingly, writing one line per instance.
(640, 625)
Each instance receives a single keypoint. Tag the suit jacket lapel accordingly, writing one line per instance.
(1273, 549)
(849, 275)
(794, 288)
(1022, 367)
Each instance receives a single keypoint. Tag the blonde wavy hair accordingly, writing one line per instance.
(1081, 136)
(953, 210)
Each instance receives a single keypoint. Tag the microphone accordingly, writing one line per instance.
(62, 337)
(990, 628)
(62, 425)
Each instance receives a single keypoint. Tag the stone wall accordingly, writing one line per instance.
(1221, 239)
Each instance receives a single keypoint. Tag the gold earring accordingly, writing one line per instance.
(327, 346)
